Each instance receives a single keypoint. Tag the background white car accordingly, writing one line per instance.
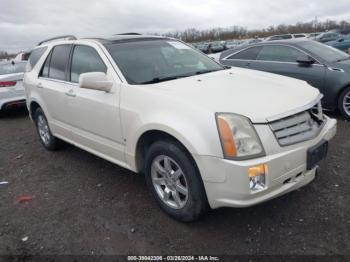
(11, 88)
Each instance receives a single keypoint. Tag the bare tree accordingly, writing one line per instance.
(238, 32)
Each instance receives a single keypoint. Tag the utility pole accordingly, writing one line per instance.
(315, 24)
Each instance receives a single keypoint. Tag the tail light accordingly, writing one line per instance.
(7, 83)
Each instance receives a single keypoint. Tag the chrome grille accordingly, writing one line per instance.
(299, 127)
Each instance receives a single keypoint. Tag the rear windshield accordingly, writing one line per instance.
(326, 52)
(150, 61)
(12, 68)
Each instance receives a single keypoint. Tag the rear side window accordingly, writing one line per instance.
(279, 54)
(85, 59)
(34, 57)
(247, 54)
(58, 60)
(46, 67)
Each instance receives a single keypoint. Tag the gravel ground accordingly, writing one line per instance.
(85, 205)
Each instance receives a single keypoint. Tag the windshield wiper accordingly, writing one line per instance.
(207, 71)
(168, 78)
(162, 79)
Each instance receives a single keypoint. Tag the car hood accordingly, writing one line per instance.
(345, 65)
(257, 95)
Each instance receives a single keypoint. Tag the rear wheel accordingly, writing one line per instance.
(344, 103)
(175, 183)
(47, 139)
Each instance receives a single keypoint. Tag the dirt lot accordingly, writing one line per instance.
(85, 205)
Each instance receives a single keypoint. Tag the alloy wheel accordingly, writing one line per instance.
(346, 103)
(169, 181)
(43, 128)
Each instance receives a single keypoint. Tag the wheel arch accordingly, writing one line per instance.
(341, 90)
(148, 137)
(34, 105)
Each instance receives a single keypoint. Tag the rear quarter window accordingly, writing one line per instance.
(34, 57)
(56, 63)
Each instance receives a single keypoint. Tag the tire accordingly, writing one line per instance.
(344, 103)
(181, 174)
(50, 142)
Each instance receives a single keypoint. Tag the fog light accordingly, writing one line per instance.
(257, 177)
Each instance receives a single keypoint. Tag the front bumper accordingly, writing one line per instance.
(227, 183)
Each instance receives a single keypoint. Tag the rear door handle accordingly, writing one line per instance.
(71, 93)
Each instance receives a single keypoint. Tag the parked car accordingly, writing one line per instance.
(301, 35)
(323, 67)
(342, 43)
(202, 134)
(342, 31)
(327, 36)
(232, 43)
(11, 88)
(216, 47)
(250, 41)
(313, 35)
(285, 37)
(204, 47)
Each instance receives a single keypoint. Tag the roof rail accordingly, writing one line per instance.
(70, 37)
(128, 34)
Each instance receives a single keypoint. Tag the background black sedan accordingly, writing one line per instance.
(324, 67)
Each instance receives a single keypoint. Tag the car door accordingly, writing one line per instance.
(282, 60)
(241, 58)
(94, 115)
(52, 85)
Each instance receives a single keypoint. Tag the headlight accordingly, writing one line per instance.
(238, 137)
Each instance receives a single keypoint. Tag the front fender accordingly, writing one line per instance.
(199, 137)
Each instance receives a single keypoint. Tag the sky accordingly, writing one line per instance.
(23, 23)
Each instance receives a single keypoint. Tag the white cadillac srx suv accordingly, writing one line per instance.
(203, 135)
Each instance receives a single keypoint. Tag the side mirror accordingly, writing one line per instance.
(305, 60)
(95, 81)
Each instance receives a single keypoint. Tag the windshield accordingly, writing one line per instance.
(152, 61)
(327, 53)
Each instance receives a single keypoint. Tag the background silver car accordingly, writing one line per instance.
(11, 88)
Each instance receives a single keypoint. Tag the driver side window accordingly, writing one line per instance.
(85, 59)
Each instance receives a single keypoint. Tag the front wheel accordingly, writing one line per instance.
(175, 183)
(344, 103)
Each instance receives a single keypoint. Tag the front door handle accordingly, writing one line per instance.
(39, 85)
(71, 93)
